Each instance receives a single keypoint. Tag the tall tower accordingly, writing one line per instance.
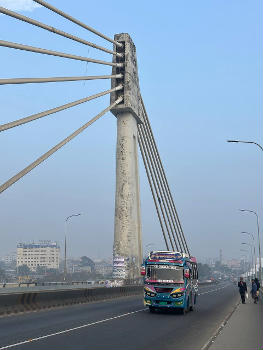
(221, 257)
(127, 250)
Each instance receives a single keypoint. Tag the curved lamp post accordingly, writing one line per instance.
(252, 260)
(254, 249)
(65, 246)
(245, 250)
(251, 142)
(259, 249)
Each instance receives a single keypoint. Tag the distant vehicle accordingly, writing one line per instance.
(170, 281)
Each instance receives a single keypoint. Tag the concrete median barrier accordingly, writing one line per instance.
(29, 301)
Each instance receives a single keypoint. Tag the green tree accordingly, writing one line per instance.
(85, 261)
(40, 270)
(204, 271)
(23, 270)
(2, 275)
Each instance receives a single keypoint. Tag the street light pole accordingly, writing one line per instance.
(252, 261)
(250, 142)
(245, 261)
(259, 249)
(254, 248)
(65, 244)
(245, 250)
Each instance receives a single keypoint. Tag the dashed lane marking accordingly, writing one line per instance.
(69, 330)
(210, 291)
(87, 325)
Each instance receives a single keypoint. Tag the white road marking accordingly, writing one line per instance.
(211, 291)
(219, 329)
(88, 325)
(69, 330)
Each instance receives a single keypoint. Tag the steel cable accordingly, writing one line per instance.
(55, 53)
(157, 179)
(154, 183)
(54, 149)
(181, 233)
(55, 110)
(152, 191)
(56, 79)
(74, 20)
(55, 30)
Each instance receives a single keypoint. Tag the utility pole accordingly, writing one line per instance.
(127, 224)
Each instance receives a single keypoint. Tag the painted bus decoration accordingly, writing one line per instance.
(170, 281)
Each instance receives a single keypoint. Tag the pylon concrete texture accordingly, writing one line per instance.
(127, 249)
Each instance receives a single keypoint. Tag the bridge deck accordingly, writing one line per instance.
(120, 323)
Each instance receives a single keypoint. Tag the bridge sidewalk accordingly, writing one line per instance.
(244, 329)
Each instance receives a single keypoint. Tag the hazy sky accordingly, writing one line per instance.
(199, 70)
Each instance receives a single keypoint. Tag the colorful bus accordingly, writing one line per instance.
(170, 281)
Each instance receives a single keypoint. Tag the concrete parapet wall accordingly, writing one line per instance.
(29, 301)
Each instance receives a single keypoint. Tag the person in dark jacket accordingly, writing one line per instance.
(242, 290)
(254, 291)
(257, 283)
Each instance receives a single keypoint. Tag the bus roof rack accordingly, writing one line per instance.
(169, 252)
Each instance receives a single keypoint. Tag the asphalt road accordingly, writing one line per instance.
(121, 323)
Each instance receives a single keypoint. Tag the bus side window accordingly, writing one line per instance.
(195, 272)
(148, 272)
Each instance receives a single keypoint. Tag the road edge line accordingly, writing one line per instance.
(219, 329)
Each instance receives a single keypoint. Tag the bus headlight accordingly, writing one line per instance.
(150, 294)
(177, 295)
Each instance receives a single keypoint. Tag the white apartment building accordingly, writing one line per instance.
(43, 253)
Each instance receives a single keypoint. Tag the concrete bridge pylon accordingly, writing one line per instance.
(127, 249)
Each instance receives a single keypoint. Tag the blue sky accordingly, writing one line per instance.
(199, 71)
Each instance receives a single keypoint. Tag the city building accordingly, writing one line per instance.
(44, 254)
(103, 267)
(9, 258)
(233, 264)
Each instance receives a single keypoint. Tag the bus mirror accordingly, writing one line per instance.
(187, 273)
(143, 272)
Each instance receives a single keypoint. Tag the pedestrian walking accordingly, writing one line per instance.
(254, 291)
(242, 290)
(257, 283)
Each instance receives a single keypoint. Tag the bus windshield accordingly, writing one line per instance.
(164, 274)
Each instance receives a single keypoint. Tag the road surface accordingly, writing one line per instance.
(121, 323)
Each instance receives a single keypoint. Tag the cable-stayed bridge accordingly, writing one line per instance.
(133, 129)
(116, 323)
